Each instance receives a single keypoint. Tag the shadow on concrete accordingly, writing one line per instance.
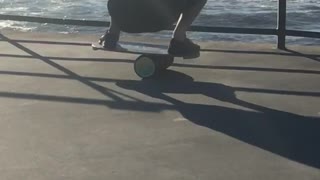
(231, 68)
(286, 134)
(102, 79)
(287, 52)
(239, 68)
(103, 90)
(296, 53)
(48, 42)
(107, 60)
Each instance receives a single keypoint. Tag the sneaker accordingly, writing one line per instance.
(109, 40)
(185, 49)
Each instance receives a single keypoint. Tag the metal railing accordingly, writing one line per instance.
(281, 32)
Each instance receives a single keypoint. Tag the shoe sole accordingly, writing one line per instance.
(185, 56)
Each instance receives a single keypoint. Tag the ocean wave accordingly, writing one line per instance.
(21, 26)
(302, 15)
(14, 9)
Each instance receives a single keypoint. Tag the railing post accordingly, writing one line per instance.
(281, 30)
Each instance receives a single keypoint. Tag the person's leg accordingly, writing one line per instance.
(180, 45)
(187, 17)
(111, 36)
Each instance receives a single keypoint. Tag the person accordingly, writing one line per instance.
(180, 45)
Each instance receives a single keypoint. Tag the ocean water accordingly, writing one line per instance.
(301, 15)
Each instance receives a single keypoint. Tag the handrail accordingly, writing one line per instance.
(104, 24)
(281, 30)
(54, 20)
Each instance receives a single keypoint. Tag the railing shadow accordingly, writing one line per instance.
(110, 80)
(286, 53)
(103, 90)
(230, 68)
(88, 80)
(296, 53)
(47, 42)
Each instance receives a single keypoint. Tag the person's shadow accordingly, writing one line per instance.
(289, 135)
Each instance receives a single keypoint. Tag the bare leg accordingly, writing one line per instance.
(186, 19)
(180, 45)
(114, 29)
(111, 36)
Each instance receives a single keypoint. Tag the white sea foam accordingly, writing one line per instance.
(16, 26)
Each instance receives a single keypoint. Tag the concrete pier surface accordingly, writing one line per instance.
(241, 111)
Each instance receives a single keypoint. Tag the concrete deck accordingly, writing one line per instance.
(239, 112)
